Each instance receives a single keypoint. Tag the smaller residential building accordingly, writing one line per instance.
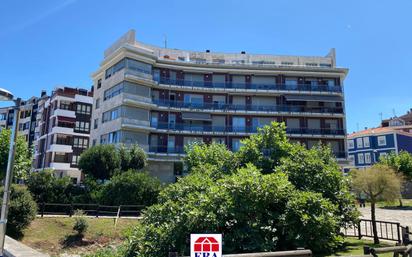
(367, 146)
(27, 120)
(63, 131)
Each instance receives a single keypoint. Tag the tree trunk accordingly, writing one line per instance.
(400, 202)
(374, 230)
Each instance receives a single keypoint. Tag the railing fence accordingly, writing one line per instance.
(90, 209)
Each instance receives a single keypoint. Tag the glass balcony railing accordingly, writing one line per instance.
(242, 129)
(231, 85)
(234, 107)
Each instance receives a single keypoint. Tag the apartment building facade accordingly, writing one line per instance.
(366, 147)
(28, 112)
(164, 99)
(63, 131)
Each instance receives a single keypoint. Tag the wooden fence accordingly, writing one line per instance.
(90, 209)
(392, 231)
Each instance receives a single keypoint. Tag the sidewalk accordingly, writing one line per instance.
(14, 248)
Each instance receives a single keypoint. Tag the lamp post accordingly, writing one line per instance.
(7, 96)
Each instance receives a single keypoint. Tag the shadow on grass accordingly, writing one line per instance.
(405, 208)
(74, 241)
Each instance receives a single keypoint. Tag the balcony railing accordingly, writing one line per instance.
(242, 129)
(181, 150)
(231, 85)
(234, 107)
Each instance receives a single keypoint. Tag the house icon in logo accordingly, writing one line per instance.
(205, 245)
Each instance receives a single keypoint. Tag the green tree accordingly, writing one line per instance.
(131, 187)
(100, 162)
(377, 183)
(23, 157)
(212, 154)
(316, 170)
(132, 157)
(266, 148)
(22, 211)
(402, 163)
(46, 188)
(255, 213)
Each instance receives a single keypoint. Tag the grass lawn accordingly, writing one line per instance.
(355, 247)
(48, 234)
(407, 204)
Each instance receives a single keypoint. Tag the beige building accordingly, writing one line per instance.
(164, 99)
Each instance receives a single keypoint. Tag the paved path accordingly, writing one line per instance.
(404, 217)
(14, 248)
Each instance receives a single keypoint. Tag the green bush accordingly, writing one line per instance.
(132, 157)
(131, 187)
(282, 197)
(80, 224)
(22, 211)
(100, 162)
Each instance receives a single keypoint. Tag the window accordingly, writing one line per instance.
(381, 140)
(96, 123)
(99, 83)
(97, 103)
(115, 68)
(80, 142)
(111, 115)
(113, 91)
(382, 155)
(286, 63)
(325, 65)
(83, 109)
(368, 158)
(75, 159)
(311, 64)
(366, 142)
(110, 138)
(351, 144)
(351, 159)
(359, 142)
(360, 158)
(82, 126)
(236, 144)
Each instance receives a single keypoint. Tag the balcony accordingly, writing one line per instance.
(163, 149)
(230, 85)
(255, 108)
(244, 129)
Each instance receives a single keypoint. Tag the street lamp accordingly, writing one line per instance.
(7, 96)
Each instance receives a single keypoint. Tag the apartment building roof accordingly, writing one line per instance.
(216, 58)
(382, 130)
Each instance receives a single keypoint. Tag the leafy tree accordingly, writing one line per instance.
(46, 188)
(22, 211)
(133, 157)
(401, 162)
(266, 148)
(80, 224)
(100, 162)
(131, 187)
(255, 213)
(316, 170)
(259, 203)
(23, 157)
(212, 154)
(377, 183)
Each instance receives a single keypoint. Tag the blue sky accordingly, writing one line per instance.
(45, 43)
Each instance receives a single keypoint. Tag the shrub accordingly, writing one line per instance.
(131, 187)
(22, 211)
(100, 161)
(132, 158)
(255, 212)
(80, 224)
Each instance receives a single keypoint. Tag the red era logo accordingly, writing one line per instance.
(205, 245)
